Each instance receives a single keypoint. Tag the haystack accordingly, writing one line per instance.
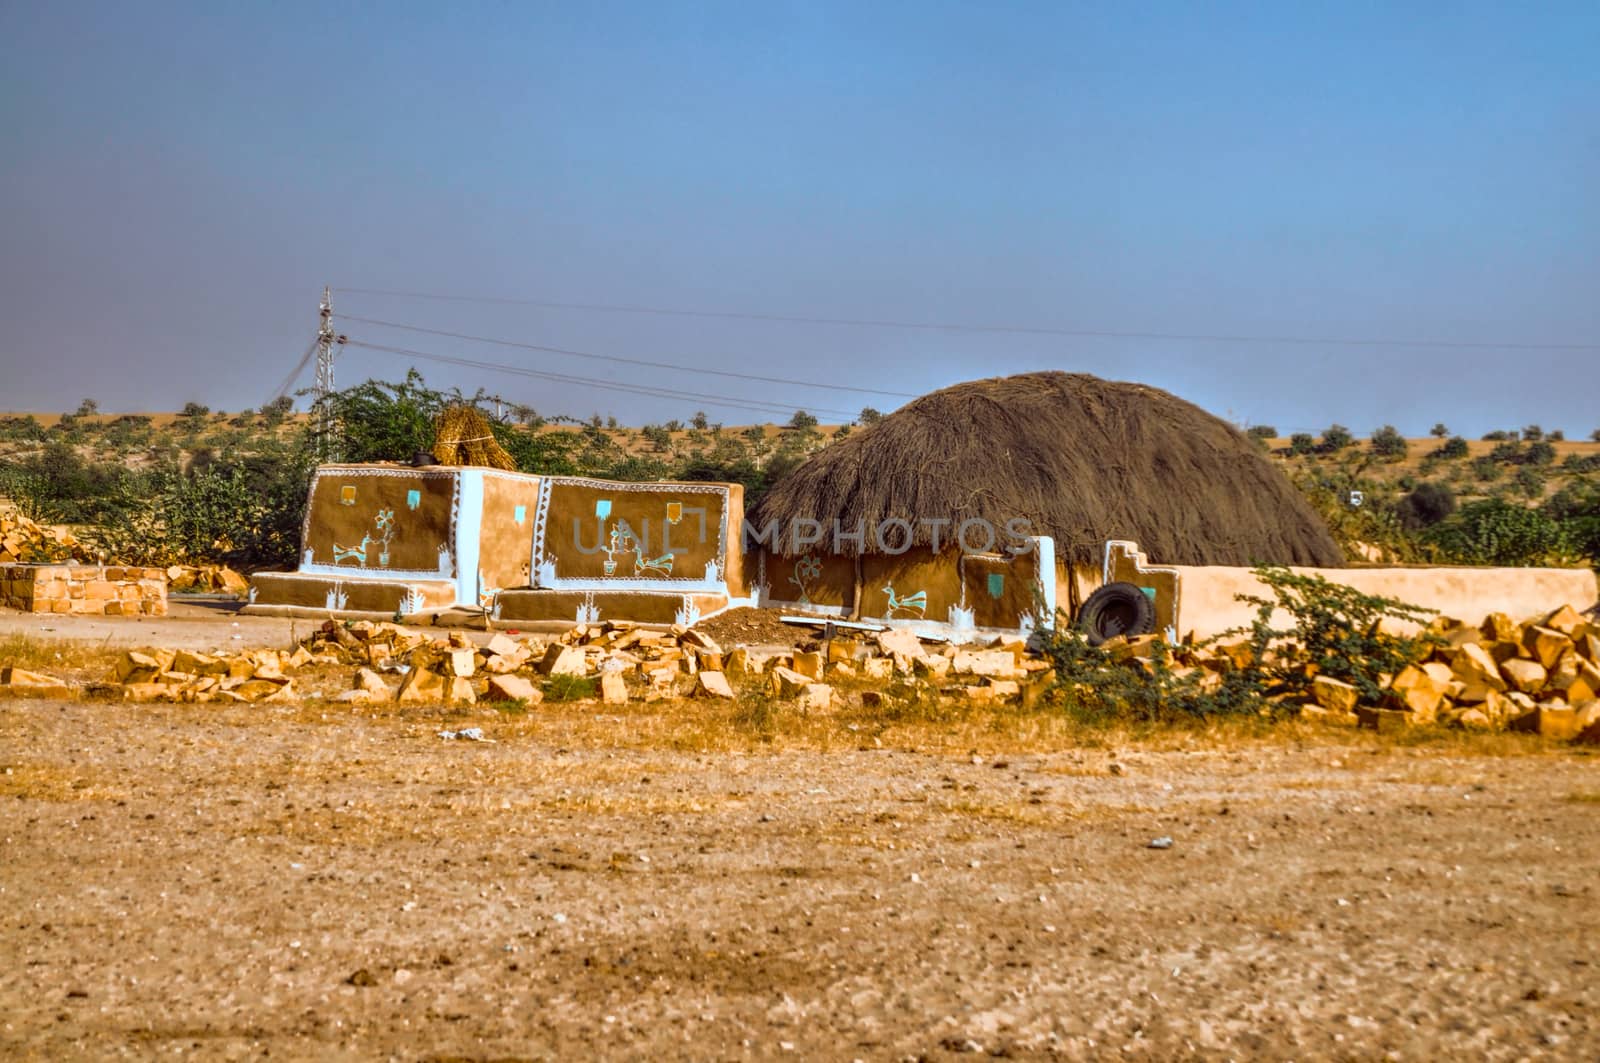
(462, 437)
(1081, 459)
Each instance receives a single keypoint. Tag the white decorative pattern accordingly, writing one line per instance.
(688, 613)
(588, 612)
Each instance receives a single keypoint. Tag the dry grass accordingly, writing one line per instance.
(80, 661)
(757, 722)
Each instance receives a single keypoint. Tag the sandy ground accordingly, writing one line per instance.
(336, 883)
(194, 623)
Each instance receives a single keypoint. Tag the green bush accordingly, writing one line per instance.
(1388, 443)
(1334, 631)
(1427, 505)
(1336, 437)
(1496, 532)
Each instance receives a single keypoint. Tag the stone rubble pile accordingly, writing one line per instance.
(1541, 676)
(624, 662)
(206, 579)
(25, 542)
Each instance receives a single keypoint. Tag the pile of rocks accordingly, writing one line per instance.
(623, 662)
(1542, 676)
(184, 675)
(206, 579)
(635, 663)
(23, 541)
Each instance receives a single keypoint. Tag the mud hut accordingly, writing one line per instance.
(1069, 456)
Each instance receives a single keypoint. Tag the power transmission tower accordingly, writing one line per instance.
(326, 339)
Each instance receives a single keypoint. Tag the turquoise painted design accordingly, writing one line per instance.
(602, 508)
(1149, 592)
(413, 499)
(997, 584)
(520, 514)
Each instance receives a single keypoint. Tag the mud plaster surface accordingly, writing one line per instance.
(185, 882)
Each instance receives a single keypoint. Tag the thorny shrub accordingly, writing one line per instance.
(1334, 631)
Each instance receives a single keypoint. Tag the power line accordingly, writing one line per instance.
(1027, 330)
(730, 402)
(299, 367)
(621, 360)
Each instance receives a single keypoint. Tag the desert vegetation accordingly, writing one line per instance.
(204, 485)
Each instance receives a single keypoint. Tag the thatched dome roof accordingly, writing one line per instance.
(1081, 459)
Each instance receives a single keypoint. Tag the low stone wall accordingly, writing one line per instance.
(96, 590)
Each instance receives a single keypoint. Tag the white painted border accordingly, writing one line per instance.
(468, 533)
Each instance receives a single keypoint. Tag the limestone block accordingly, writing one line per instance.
(1558, 723)
(1523, 675)
(788, 683)
(1334, 695)
(1417, 692)
(461, 663)
(997, 663)
(370, 681)
(514, 688)
(877, 668)
(808, 665)
(713, 685)
(1545, 645)
(420, 685)
(816, 696)
(1566, 620)
(1472, 664)
(560, 659)
(1498, 627)
(613, 688)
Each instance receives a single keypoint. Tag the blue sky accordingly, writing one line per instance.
(178, 182)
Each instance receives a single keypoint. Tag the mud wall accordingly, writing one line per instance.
(1204, 599)
(366, 520)
(602, 535)
(948, 589)
(1208, 605)
(505, 532)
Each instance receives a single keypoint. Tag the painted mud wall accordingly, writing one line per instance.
(665, 537)
(918, 588)
(365, 520)
(386, 539)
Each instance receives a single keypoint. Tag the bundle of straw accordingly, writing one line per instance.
(462, 437)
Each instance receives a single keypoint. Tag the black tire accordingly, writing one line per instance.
(1116, 609)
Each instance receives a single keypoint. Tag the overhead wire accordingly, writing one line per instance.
(544, 348)
(1033, 330)
(294, 374)
(721, 401)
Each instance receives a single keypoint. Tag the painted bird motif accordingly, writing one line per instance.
(917, 603)
(358, 553)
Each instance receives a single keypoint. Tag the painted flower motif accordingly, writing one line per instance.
(808, 567)
(385, 519)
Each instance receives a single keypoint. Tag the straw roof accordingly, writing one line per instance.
(462, 437)
(1081, 459)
